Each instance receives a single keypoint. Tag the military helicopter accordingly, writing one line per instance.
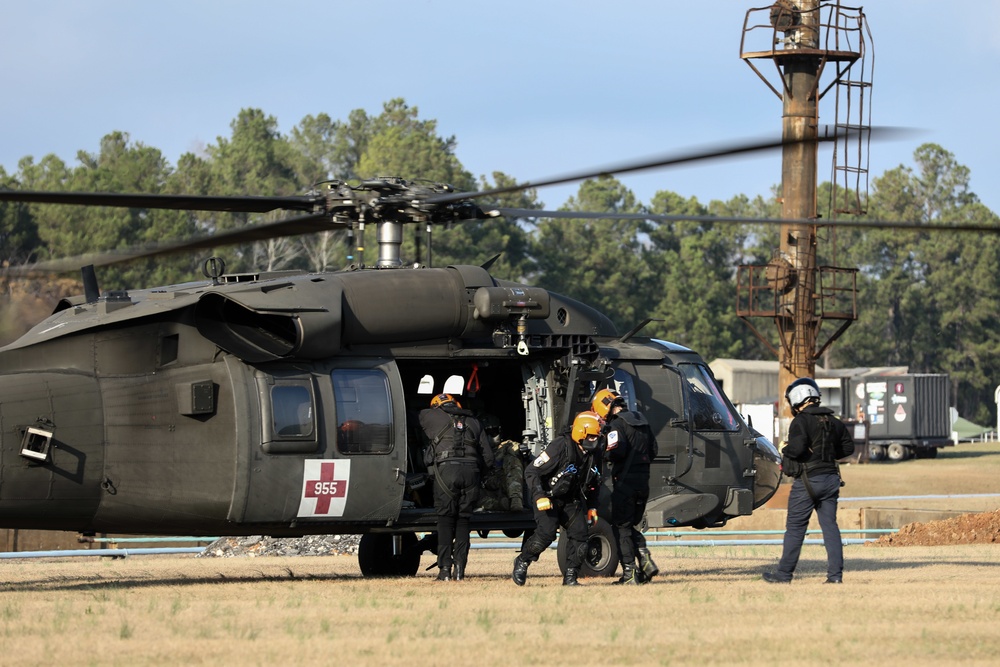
(284, 403)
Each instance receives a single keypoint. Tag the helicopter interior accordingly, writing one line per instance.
(493, 388)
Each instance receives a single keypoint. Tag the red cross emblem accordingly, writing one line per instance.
(326, 488)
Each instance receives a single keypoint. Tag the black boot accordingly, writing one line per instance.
(459, 571)
(569, 578)
(646, 564)
(520, 574)
(444, 573)
(629, 575)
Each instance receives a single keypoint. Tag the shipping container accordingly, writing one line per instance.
(907, 415)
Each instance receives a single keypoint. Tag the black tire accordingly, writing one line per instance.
(601, 559)
(876, 452)
(896, 452)
(376, 559)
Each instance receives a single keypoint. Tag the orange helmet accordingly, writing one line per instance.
(603, 400)
(586, 424)
(444, 399)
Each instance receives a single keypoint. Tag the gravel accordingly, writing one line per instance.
(259, 545)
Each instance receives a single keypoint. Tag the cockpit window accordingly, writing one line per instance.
(625, 388)
(623, 385)
(709, 408)
(364, 411)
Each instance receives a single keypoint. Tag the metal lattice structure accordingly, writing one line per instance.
(805, 40)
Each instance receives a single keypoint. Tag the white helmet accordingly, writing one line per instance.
(801, 391)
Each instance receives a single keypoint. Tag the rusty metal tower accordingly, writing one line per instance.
(806, 39)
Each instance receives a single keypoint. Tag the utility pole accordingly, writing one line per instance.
(791, 289)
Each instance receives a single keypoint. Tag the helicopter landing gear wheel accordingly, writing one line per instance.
(376, 558)
(601, 557)
(876, 452)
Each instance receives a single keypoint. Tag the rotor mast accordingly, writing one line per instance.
(390, 240)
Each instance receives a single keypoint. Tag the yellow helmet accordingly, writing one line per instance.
(445, 399)
(603, 400)
(586, 424)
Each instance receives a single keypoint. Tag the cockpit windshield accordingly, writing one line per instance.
(709, 408)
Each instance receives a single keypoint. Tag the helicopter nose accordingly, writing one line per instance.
(767, 475)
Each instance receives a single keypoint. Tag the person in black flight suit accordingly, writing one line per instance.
(458, 451)
(816, 439)
(561, 484)
(631, 447)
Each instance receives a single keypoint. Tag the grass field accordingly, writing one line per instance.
(968, 468)
(898, 606)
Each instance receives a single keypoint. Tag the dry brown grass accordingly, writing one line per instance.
(906, 606)
(913, 606)
(967, 468)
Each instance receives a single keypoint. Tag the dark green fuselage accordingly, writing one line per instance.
(285, 404)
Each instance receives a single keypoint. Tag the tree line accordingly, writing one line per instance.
(925, 300)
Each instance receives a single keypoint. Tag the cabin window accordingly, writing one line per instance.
(709, 407)
(364, 411)
(292, 411)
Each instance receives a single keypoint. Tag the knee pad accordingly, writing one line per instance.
(535, 546)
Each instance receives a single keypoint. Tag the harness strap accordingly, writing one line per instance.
(826, 454)
(437, 439)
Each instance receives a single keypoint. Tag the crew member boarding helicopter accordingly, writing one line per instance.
(284, 403)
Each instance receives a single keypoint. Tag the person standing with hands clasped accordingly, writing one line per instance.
(631, 447)
(816, 439)
(457, 452)
(563, 492)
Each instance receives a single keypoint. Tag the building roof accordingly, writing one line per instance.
(761, 366)
(745, 365)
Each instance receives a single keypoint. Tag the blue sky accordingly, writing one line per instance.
(534, 89)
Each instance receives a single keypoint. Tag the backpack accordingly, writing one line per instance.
(454, 441)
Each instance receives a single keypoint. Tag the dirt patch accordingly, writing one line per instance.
(966, 529)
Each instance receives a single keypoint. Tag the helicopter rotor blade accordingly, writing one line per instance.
(698, 154)
(235, 204)
(397, 202)
(303, 224)
(742, 220)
